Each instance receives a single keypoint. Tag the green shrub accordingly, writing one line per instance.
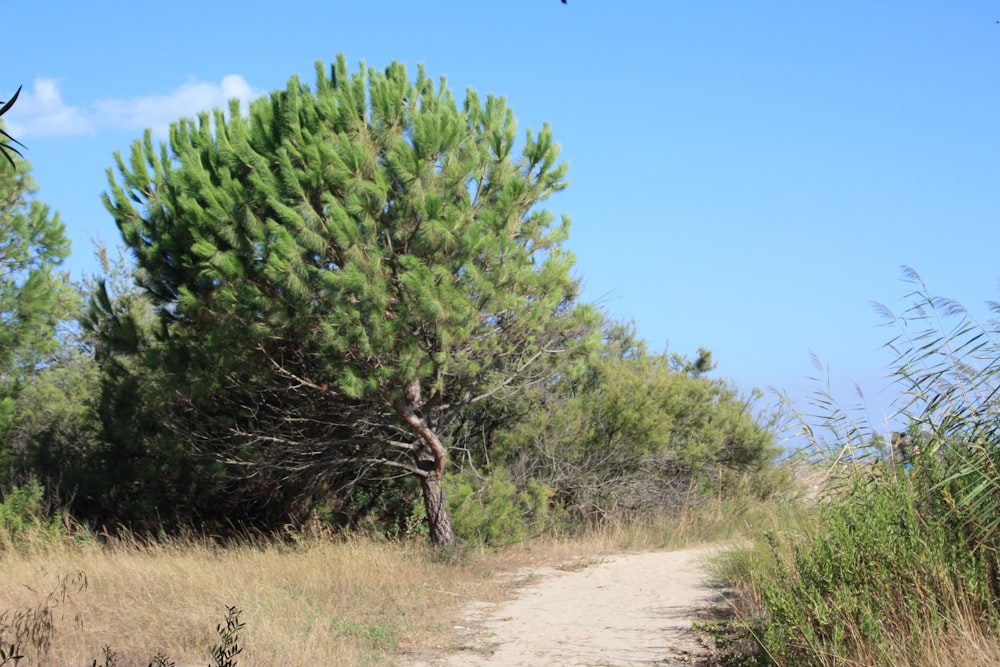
(880, 574)
(492, 510)
(638, 435)
(23, 514)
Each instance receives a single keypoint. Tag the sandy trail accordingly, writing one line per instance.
(634, 609)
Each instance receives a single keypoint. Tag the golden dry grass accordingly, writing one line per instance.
(335, 601)
(345, 602)
(323, 600)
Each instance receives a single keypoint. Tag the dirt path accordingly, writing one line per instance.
(634, 609)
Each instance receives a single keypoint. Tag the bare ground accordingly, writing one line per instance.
(632, 609)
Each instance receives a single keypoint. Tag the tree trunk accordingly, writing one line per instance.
(438, 519)
(429, 458)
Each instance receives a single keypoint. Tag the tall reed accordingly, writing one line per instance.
(900, 566)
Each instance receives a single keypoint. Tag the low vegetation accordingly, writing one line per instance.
(898, 563)
(79, 599)
(322, 602)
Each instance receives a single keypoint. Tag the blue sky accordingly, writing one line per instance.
(745, 177)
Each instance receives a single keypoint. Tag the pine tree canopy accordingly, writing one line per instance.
(32, 244)
(372, 226)
(33, 296)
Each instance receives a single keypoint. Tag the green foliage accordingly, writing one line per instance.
(31, 293)
(360, 278)
(55, 426)
(638, 433)
(139, 472)
(397, 242)
(948, 366)
(883, 573)
(34, 299)
(336, 276)
(493, 511)
(903, 566)
(378, 635)
(23, 514)
(226, 651)
(10, 655)
(735, 645)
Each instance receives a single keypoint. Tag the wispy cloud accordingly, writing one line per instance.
(43, 112)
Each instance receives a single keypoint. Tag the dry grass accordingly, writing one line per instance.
(335, 601)
(345, 602)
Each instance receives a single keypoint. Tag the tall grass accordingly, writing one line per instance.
(335, 602)
(896, 565)
(329, 600)
(880, 581)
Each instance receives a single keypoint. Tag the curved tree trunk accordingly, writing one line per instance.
(429, 458)
(419, 425)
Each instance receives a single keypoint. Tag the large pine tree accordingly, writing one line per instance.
(368, 254)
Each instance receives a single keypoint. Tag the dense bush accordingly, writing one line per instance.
(881, 576)
(23, 511)
(492, 510)
(637, 434)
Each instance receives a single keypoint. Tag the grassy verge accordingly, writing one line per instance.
(336, 601)
(899, 561)
(876, 575)
(343, 602)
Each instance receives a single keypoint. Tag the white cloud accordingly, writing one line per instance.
(42, 111)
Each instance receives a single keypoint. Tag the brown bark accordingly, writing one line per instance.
(438, 519)
(429, 458)
(419, 425)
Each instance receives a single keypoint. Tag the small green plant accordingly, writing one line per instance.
(10, 655)
(735, 644)
(23, 512)
(375, 635)
(110, 658)
(226, 651)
